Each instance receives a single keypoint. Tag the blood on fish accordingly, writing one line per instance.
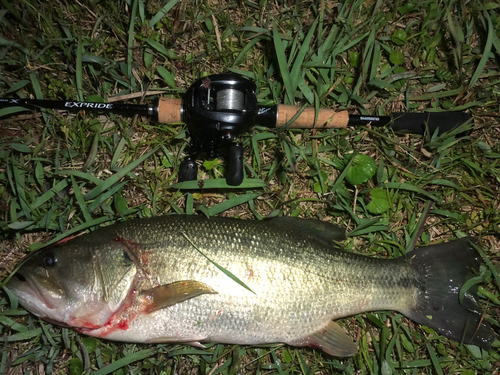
(126, 242)
(121, 318)
(83, 324)
(133, 251)
(145, 257)
(64, 240)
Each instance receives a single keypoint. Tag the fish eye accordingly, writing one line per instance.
(49, 261)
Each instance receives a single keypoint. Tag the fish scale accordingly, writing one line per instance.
(157, 282)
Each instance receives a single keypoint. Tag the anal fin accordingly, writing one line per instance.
(170, 294)
(178, 340)
(332, 339)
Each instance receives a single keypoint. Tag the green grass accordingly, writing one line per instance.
(61, 174)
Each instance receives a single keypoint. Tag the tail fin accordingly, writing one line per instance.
(444, 269)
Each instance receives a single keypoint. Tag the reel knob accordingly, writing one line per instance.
(188, 170)
(234, 165)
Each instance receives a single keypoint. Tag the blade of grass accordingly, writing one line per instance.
(420, 227)
(279, 46)
(297, 65)
(220, 268)
(92, 153)
(22, 335)
(106, 184)
(78, 228)
(244, 52)
(233, 202)
(49, 194)
(80, 200)
(105, 196)
(434, 360)
(79, 174)
(131, 37)
(11, 110)
(118, 151)
(409, 187)
(122, 362)
(189, 204)
(490, 265)
(486, 52)
(79, 70)
(218, 183)
(162, 12)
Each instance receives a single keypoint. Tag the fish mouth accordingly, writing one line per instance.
(30, 296)
(27, 289)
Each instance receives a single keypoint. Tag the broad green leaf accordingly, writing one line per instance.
(399, 37)
(120, 203)
(362, 169)
(379, 201)
(354, 59)
(397, 57)
(91, 343)
(75, 366)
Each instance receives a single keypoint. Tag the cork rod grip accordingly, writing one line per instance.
(327, 118)
(169, 110)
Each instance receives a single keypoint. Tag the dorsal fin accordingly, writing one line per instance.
(320, 230)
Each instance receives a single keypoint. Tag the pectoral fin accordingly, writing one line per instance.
(332, 339)
(170, 294)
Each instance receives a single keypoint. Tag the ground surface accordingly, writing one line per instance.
(62, 173)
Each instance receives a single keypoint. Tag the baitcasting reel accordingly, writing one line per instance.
(217, 110)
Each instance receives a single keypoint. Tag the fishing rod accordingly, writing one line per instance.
(217, 109)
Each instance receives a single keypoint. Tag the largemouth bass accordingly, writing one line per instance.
(191, 279)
